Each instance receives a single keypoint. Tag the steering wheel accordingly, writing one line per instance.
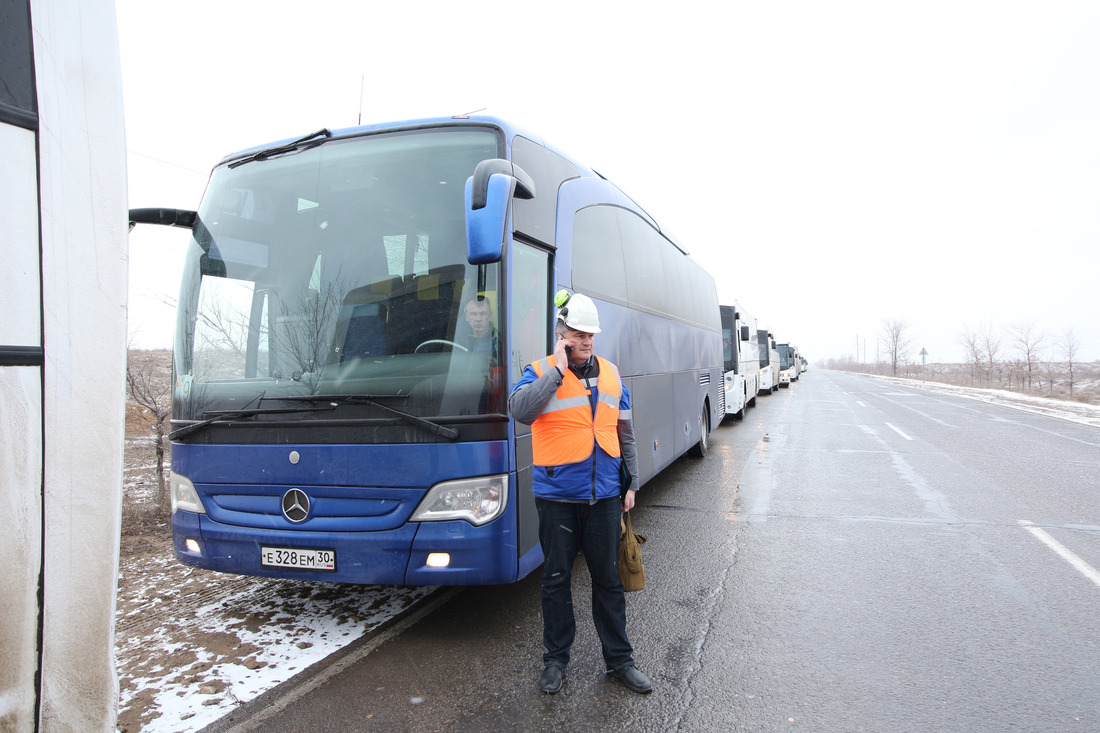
(439, 341)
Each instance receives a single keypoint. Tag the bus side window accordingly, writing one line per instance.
(530, 306)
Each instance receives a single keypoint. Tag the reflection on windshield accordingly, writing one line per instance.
(341, 270)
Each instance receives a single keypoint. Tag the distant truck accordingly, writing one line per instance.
(769, 362)
(742, 360)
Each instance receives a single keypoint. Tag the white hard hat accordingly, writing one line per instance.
(578, 312)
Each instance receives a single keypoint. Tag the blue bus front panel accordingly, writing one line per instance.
(485, 555)
(378, 558)
(360, 499)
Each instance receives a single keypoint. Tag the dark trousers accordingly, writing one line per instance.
(565, 528)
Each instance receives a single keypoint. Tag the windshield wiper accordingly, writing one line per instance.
(230, 414)
(280, 149)
(372, 400)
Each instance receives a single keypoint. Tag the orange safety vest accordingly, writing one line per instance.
(564, 431)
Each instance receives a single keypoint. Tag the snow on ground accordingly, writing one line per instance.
(191, 645)
(1077, 412)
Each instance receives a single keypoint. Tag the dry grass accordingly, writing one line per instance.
(139, 487)
(1048, 379)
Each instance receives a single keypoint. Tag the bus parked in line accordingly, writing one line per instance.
(333, 418)
(769, 362)
(741, 355)
(790, 366)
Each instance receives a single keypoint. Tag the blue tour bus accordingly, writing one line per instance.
(334, 416)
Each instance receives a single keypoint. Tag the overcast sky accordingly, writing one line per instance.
(832, 164)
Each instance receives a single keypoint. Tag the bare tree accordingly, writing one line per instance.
(1028, 341)
(895, 342)
(990, 342)
(1069, 345)
(970, 342)
(307, 326)
(222, 331)
(149, 382)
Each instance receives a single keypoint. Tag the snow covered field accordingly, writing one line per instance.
(1062, 409)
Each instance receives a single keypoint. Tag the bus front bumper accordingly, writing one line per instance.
(461, 553)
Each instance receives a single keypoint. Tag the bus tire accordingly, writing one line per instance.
(699, 450)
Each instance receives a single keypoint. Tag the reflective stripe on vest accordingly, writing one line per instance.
(565, 432)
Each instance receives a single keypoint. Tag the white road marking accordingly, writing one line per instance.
(898, 431)
(1064, 552)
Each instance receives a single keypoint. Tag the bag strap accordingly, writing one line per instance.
(629, 528)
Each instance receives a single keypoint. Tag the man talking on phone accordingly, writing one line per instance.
(581, 433)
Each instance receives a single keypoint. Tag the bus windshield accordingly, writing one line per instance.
(339, 269)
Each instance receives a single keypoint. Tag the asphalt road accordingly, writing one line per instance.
(853, 556)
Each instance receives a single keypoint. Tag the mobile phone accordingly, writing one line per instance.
(569, 351)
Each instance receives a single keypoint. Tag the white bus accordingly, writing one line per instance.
(790, 365)
(741, 353)
(62, 361)
(769, 362)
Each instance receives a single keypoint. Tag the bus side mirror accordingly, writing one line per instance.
(165, 217)
(744, 333)
(488, 195)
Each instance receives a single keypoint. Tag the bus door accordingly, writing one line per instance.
(530, 339)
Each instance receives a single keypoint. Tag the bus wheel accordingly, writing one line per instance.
(699, 450)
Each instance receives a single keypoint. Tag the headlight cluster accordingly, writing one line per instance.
(184, 496)
(475, 500)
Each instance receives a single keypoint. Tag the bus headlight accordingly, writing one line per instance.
(184, 496)
(476, 500)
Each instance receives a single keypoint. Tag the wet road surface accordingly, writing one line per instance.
(853, 556)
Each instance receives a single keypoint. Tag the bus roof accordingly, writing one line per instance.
(510, 130)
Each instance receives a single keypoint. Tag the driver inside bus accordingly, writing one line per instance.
(483, 334)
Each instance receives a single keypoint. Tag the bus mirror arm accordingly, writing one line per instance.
(165, 217)
(489, 193)
(521, 186)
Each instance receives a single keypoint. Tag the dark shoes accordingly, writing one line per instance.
(632, 677)
(550, 681)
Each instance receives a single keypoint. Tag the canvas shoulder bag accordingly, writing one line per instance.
(631, 571)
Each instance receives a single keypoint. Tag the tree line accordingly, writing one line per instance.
(1020, 357)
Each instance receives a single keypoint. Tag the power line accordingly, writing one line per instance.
(204, 174)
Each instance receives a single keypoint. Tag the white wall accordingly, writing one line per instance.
(20, 430)
(62, 439)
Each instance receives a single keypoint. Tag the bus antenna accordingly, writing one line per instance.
(362, 82)
(466, 115)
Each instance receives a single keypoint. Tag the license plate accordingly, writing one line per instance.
(284, 557)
